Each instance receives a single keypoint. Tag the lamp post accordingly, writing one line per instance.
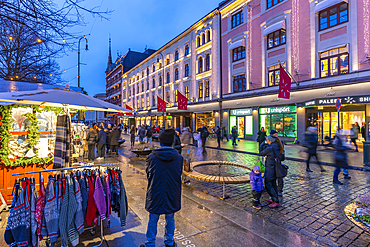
(164, 125)
(78, 62)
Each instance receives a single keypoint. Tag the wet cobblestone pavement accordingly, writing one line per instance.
(311, 204)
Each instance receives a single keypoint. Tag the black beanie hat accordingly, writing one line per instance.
(167, 136)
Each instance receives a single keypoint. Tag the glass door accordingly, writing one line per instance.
(325, 124)
(241, 127)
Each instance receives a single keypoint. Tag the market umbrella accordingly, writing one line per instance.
(60, 98)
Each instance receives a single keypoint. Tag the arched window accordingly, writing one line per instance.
(208, 62)
(200, 65)
(198, 41)
(176, 74)
(203, 38)
(176, 55)
(208, 34)
(186, 50)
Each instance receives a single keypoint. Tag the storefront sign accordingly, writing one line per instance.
(349, 100)
(241, 112)
(278, 109)
(309, 103)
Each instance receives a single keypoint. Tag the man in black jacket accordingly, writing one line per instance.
(203, 135)
(163, 195)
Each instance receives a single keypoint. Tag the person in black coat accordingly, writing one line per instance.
(149, 134)
(203, 135)
(102, 139)
(271, 149)
(163, 195)
(218, 135)
(132, 135)
(177, 142)
(312, 139)
(91, 141)
(114, 136)
(234, 135)
(261, 136)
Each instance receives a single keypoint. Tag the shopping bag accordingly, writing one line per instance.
(261, 165)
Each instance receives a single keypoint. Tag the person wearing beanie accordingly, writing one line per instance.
(256, 186)
(270, 149)
(163, 195)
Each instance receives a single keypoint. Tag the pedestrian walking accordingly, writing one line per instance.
(149, 134)
(340, 157)
(186, 136)
(102, 138)
(268, 149)
(163, 196)
(256, 186)
(203, 135)
(261, 136)
(225, 133)
(312, 139)
(363, 131)
(354, 135)
(218, 135)
(132, 135)
(177, 142)
(91, 141)
(234, 135)
(141, 133)
(281, 157)
(107, 141)
(114, 137)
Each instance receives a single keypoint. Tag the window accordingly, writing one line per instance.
(200, 90)
(187, 70)
(160, 66)
(147, 101)
(142, 74)
(129, 92)
(153, 67)
(238, 53)
(207, 89)
(175, 95)
(133, 90)
(168, 96)
(208, 36)
(137, 78)
(153, 100)
(198, 41)
(168, 77)
(138, 88)
(274, 75)
(271, 3)
(187, 50)
(142, 102)
(137, 104)
(147, 85)
(240, 83)
(237, 19)
(176, 55)
(147, 71)
(187, 92)
(203, 38)
(167, 61)
(276, 38)
(160, 81)
(142, 87)
(200, 65)
(334, 62)
(333, 16)
(153, 83)
(176, 74)
(208, 62)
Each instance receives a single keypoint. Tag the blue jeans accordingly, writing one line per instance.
(337, 171)
(151, 232)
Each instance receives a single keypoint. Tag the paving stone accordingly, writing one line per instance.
(344, 227)
(336, 234)
(343, 241)
(316, 225)
(321, 232)
(351, 235)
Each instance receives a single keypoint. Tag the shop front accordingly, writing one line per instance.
(323, 114)
(243, 120)
(283, 119)
(206, 119)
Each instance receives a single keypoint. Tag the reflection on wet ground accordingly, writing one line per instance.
(216, 170)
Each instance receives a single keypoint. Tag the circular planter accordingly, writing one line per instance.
(141, 152)
(349, 210)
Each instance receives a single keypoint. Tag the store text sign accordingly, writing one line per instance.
(349, 100)
(241, 112)
(278, 109)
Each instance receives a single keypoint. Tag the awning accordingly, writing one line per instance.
(236, 44)
(274, 27)
(327, 4)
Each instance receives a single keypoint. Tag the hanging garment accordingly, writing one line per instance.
(51, 213)
(40, 206)
(123, 201)
(91, 207)
(115, 191)
(8, 236)
(84, 194)
(108, 195)
(72, 209)
(34, 237)
(27, 201)
(99, 198)
(79, 219)
(62, 142)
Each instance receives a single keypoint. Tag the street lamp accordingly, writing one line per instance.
(78, 63)
(164, 125)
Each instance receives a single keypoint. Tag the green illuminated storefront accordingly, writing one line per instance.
(283, 119)
(243, 120)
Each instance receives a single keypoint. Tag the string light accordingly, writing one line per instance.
(249, 16)
(10, 38)
(366, 27)
(295, 34)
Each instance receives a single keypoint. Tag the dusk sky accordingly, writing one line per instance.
(132, 24)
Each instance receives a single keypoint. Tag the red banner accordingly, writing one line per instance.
(182, 103)
(284, 84)
(128, 108)
(160, 105)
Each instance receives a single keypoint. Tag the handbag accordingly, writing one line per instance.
(281, 170)
(260, 165)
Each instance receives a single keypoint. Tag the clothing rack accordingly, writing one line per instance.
(72, 168)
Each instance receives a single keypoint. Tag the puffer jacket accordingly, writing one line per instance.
(164, 169)
(256, 181)
(91, 138)
(267, 150)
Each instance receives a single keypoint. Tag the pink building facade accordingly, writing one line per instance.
(323, 44)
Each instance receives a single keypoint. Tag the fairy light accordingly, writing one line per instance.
(295, 35)
(366, 26)
(249, 27)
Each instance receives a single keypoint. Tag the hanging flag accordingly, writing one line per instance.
(284, 84)
(160, 105)
(182, 101)
(128, 108)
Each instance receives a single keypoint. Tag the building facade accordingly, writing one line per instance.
(189, 64)
(323, 44)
